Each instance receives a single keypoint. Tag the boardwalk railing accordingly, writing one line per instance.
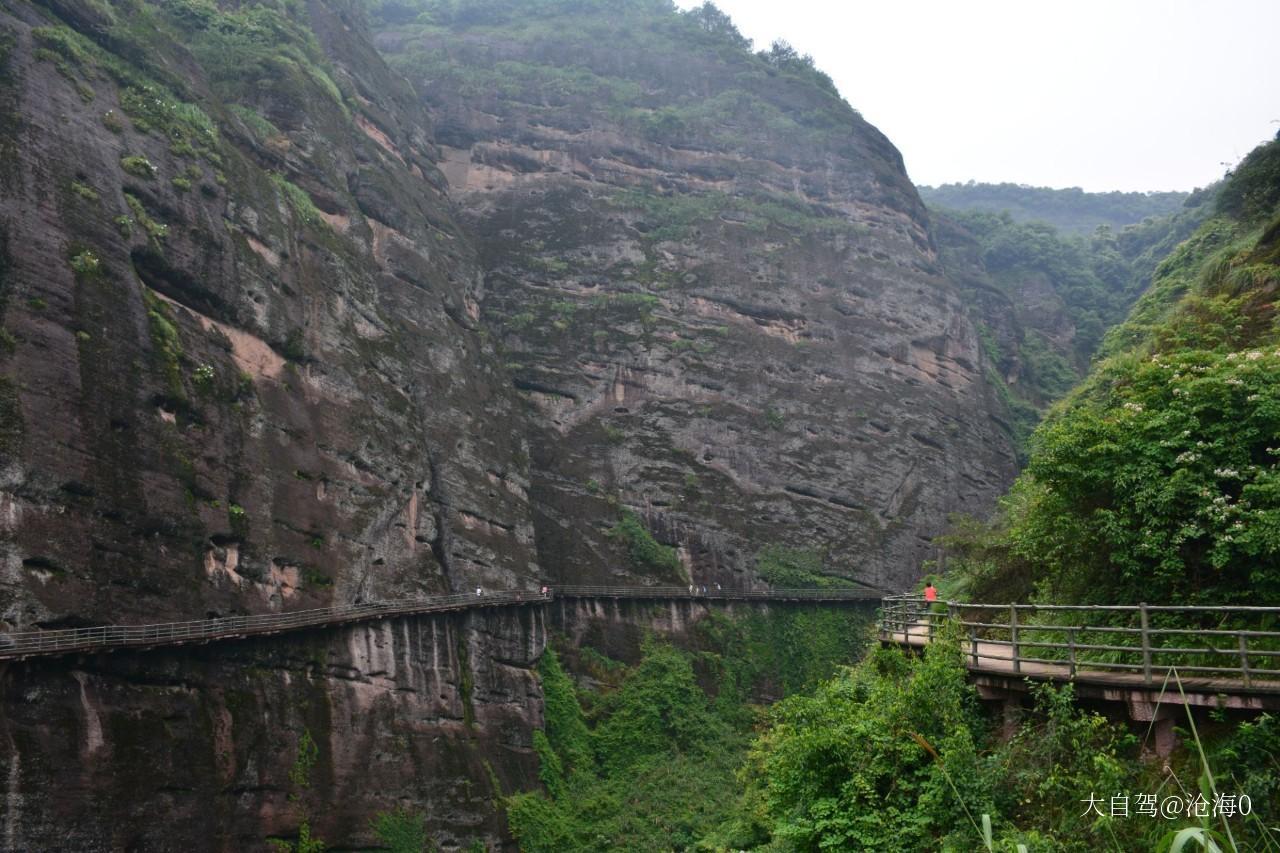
(23, 644)
(28, 643)
(697, 592)
(1237, 643)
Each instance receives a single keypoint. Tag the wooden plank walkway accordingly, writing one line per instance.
(1208, 651)
(25, 644)
(995, 658)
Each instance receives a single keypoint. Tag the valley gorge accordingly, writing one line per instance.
(326, 302)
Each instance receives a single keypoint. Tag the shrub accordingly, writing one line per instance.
(645, 551)
(138, 166)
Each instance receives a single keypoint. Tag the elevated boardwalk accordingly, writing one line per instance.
(104, 638)
(1154, 660)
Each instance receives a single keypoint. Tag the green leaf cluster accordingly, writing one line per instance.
(645, 551)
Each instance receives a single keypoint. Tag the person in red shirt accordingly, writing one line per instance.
(930, 593)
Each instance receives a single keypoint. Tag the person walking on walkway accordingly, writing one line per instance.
(930, 593)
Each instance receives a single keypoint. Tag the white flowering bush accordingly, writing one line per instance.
(1165, 486)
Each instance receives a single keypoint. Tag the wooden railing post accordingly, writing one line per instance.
(1071, 651)
(973, 645)
(1146, 642)
(1013, 637)
(1244, 658)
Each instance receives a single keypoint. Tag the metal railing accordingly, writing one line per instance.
(1144, 642)
(27, 643)
(713, 594)
(24, 644)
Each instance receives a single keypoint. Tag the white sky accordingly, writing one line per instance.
(1118, 95)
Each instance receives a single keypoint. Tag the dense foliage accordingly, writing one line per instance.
(1072, 210)
(895, 755)
(1157, 480)
(681, 78)
(647, 760)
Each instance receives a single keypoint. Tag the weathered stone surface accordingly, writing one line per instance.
(263, 390)
(197, 748)
(748, 340)
(278, 397)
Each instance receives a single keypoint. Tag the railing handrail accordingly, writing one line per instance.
(20, 644)
(995, 644)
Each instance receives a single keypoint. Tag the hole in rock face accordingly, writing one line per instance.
(41, 563)
(222, 540)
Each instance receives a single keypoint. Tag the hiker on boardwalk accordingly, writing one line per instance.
(930, 593)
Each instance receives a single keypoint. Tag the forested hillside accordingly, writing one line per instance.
(1043, 299)
(1157, 478)
(1072, 210)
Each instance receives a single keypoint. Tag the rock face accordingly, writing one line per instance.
(221, 747)
(241, 371)
(717, 287)
(245, 357)
(254, 358)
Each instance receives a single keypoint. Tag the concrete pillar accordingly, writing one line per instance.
(1142, 709)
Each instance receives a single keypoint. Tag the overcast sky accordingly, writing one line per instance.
(1118, 95)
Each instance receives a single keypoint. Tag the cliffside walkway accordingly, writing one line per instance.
(1150, 658)
(103, 638)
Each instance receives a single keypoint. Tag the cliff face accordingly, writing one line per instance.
(245, 364)
(254, 357)
(222, 747)
(716, 285)
(241, 371)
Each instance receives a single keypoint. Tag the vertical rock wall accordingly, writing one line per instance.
(198, 748)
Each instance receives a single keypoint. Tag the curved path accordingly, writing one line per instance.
(25, 644)
(1222, 656)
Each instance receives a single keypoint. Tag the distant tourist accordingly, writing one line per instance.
(479, 591)
(930, 593)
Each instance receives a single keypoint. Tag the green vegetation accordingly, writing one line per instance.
(1012, 273)
(1072, 211)
(308, 755)
(556, 68)
(255, 121)
(1087, 274)
(675, 216)
(645, 551)
(156, 231)
(85, 264)
(790, 568)
(240, 46)
(299, 202)
(402, 831)
(304, 844)
(11, 421)
(84, 191)
(1252, 190)
(1157, 480)
(188, 128)
(649, 763)
(894, 755)
(138, 166)
(166, 344)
